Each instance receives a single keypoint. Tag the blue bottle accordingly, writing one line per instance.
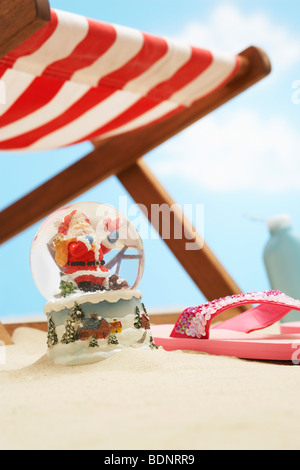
(282, 260)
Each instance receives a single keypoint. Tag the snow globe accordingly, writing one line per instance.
(87, 260)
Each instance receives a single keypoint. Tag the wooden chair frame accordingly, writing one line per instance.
(122, 156)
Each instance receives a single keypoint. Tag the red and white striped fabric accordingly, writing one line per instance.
(79, 79)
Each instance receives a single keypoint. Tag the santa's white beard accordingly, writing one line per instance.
(81, 232)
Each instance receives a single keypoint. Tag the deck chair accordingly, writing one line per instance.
(71, 79)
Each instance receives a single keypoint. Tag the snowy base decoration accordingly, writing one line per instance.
(91, 327)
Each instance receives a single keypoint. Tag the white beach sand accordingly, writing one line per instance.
(145, 400)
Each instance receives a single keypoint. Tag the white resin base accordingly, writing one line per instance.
(120, 306)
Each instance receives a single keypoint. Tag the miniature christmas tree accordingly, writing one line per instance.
(138, 318)
(93, 343)
(112, 339)
(71, 334)
(66, 288)
(152, 344)
(52, 339)
(145, 310)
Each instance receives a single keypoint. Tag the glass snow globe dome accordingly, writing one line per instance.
(86, 247)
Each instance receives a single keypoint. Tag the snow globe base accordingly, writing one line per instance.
(91, 327)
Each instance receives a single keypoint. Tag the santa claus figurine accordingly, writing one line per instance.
(80, 254)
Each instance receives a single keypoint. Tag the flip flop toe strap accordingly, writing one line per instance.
(195, 322)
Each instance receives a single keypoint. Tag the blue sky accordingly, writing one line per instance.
(242, 159)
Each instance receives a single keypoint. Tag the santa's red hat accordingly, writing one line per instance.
(65, 225)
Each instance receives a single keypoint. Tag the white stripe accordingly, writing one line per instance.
(127, 44)
(97, 273)
(220, 68)
(16, 84)
(155, 113)
(176, 56)
(67, 95)
(88, 122)
(70, 31)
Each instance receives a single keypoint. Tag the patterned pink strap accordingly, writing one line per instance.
(195, 322)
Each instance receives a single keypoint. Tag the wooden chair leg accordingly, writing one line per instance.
(4, 336)
(202, 265)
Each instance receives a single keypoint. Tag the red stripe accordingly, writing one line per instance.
(153, 49)
(198, 63)
(224, 82)
(37, 95)
(136, 110)
(2, 71)
(98, 40)
(162, 118)
(31, 44)
(88, 101)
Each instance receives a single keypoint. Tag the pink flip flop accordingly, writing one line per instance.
(231, 338)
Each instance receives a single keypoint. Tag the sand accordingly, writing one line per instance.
(151, 400)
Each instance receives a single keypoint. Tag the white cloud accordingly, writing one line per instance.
(232, 30)
(245, 151)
